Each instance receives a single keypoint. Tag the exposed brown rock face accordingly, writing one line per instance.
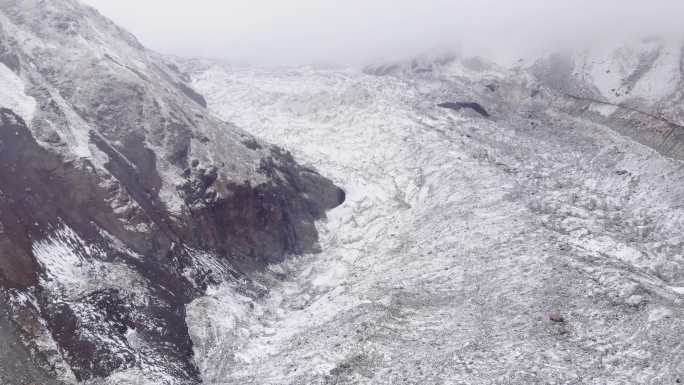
(17, 150)
(121, 169)
(265, 221)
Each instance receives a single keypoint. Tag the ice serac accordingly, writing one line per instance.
(122, 197)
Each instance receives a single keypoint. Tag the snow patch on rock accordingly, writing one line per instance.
(74, 267)
(13, 95)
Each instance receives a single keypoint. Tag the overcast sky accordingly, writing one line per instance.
(353, 32)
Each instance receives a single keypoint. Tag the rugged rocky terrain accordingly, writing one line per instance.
(122, 198)
(541, 244)
(500, 225)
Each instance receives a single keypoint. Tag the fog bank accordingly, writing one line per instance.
(357, 32)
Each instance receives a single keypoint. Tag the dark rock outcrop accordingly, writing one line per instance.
(192, 94)
(457, 106)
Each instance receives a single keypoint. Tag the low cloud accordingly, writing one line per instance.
(356, 32)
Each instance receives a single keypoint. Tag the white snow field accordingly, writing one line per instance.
(529, 248)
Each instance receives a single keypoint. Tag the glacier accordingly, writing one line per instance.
(537, 246)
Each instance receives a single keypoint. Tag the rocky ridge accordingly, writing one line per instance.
(122, 198)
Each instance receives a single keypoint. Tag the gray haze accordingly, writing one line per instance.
(353, 32)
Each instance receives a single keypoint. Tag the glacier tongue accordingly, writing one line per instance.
(534, 247)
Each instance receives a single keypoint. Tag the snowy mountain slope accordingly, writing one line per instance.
(537, 246)
(143, 240)
(635, 88)
(122, 198)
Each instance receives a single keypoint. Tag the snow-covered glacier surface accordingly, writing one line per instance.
(532, 247)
